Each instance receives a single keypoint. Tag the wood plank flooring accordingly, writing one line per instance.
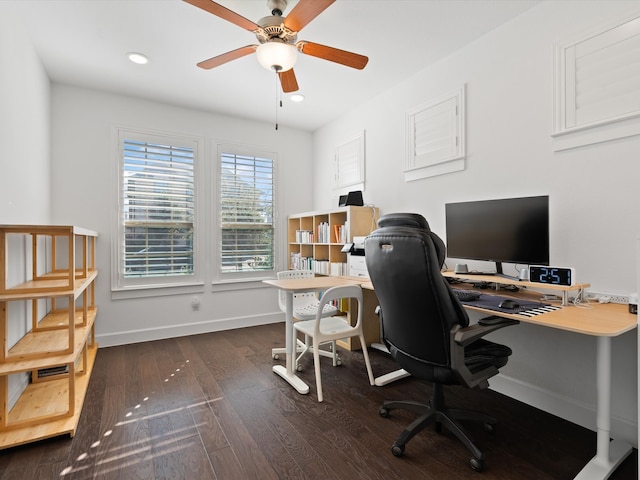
(210, 407)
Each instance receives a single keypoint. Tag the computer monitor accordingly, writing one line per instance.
(509, 230)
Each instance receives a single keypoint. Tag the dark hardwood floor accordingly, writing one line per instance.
(210, 407)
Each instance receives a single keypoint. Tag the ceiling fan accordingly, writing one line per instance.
(278, 39)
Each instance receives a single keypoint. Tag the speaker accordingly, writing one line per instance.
(461, 268)
(352, 198)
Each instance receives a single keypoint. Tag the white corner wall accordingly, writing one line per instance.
(24, 158)
(84, 179)
(594, 195)
(24, 125)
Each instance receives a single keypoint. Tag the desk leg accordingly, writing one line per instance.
(288, 372)
(609, 454)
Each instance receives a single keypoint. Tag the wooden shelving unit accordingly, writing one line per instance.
(58, 352)
(315, 239)
(315, 242)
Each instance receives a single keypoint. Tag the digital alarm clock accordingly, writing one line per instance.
(564, 276)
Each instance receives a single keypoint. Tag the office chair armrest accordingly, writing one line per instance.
(463, 336)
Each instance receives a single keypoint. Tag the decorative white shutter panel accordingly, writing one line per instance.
(598, 86)
(435, 137)
(349, 162)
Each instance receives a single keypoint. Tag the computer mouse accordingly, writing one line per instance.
(509, 304)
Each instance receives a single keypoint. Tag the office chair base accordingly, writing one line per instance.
(436, 413)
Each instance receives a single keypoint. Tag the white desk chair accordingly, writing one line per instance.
(324, 329)
(305, 307)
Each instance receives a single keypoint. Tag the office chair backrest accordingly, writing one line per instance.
(404, 259)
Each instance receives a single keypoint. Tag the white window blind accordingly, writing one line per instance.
(349, 162)
(598, 86)
(157, 209)
(246, 213)
(435, 137)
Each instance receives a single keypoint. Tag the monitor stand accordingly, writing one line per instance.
(499, 273)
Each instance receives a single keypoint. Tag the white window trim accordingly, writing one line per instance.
(349, 156)
(122, 288)
(227, 281)
(566, 134)
(449, 164)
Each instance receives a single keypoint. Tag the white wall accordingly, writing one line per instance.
(24, 126)
(24, 158)
(84, 171)
(593, 190)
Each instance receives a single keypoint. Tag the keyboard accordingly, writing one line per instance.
(465, 295)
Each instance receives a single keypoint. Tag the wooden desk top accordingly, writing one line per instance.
(597, 319)
(312, 284)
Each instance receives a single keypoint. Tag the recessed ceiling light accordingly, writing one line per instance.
(138, 58)
(296, 97)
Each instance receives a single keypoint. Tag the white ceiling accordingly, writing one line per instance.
(85, 42)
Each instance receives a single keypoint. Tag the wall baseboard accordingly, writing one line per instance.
(564, 407)
(184, 329)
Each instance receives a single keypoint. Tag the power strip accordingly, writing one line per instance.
(607, 298)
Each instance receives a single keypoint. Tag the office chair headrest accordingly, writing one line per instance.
(417, 221)
(403, 220)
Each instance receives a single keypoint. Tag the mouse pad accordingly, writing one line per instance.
(491, 302)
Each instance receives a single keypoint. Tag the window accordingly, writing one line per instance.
(435, 137)
(349, 163)
(597, 86)
(157, 228)
(245, 214)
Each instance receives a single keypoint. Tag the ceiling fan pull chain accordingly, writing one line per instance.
(276, 99)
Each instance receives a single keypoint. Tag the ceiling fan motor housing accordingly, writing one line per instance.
(273, 27)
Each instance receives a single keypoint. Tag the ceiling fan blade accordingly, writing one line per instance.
(336, 55)
(227, 57)
(224, 13)
(304, 12)
(288, 81)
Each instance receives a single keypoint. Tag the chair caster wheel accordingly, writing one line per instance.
(275, 356)
(298, 368)
(338, 362)
(489, 427)
(477, 464)
(397, 450)
(384, 413)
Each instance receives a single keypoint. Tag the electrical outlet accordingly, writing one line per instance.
(195, 304)
(607, 298)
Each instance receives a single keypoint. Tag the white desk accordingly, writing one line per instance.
(300, 285)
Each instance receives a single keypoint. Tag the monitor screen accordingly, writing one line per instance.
(510, 230)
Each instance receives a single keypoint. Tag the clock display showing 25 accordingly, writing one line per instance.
(551, 275)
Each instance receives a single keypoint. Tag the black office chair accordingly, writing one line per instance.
(425, 327)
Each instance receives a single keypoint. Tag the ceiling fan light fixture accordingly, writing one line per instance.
(277, 56)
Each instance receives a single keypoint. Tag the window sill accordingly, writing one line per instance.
(146, 291)
(596, 133)
(246, 284)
